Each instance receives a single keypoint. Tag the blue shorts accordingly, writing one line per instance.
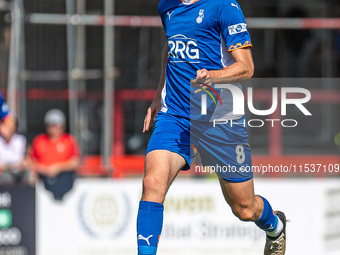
(224, 149)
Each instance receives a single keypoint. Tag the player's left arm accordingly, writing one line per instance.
(242, 69)
(236, 37)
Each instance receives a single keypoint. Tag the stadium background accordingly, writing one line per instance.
(47, 62)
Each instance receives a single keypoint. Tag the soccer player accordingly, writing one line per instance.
(206, 40)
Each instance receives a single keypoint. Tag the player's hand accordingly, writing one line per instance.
(151, 113)
(203, 80)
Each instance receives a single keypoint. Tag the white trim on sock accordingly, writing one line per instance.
(277, 230)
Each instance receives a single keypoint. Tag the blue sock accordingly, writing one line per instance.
(268, 220)
(149, 227)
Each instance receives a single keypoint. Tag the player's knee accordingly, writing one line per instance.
(149, 182)
(153, 190)
(244, 213)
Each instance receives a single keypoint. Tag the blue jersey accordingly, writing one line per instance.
(3, 108)
(200, 34)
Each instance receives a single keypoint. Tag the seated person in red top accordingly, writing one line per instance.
(55, 155)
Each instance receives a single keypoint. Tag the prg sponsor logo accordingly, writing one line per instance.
(183, 49)
(239, 102)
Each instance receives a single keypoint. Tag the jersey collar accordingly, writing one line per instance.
(187, 2)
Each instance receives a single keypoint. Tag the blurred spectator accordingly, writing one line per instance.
(337, 51)
(337, 140)
(301, 48)
(12, 154)
(296, 39)
(55, 155)
(12, 148)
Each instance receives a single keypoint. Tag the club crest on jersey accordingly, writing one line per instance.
(200, 16)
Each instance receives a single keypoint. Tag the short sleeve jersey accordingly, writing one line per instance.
(3, 108)
(48, 152)
(201, 34)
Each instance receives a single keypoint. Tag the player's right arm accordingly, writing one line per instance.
(156, 105)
